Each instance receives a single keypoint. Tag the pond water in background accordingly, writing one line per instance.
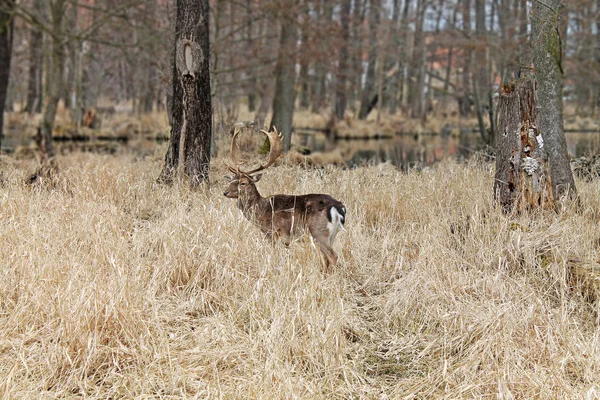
(403, 151)
(408, 151)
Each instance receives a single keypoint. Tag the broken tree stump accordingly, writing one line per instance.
(522, 179)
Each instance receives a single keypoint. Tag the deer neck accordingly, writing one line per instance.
(250, 202)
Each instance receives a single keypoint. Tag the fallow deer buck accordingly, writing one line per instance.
(284, 216)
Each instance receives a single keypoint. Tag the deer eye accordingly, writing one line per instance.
(242, 183)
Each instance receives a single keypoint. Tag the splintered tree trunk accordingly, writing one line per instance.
(189, 146)
(547, 57)
(6, 30)
(522, 178)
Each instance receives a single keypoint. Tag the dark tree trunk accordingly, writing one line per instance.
(92, 74)
(36, 67)
(547, 54)
(304, 65)
(463, 96)
(191, 132)
(370, 88)
(522, 178)
(71, 55)
(285, 76)
(150, 73)
(403, 52)
(358, 14)
(6, 35)
(481, 81)
(342, 72)
(416, 71)
(54, 78)
(321, 70)
(252, 80)
(394, 47)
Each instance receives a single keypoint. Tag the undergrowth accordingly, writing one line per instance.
(113, 286)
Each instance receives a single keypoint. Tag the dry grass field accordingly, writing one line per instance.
(113, 286)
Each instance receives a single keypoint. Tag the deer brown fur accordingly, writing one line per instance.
(284, 216)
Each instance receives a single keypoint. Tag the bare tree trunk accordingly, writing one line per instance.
(36, 66)
(304, 65)
(522, 179)
(252, 80)
(149, 72)
(403, 53)
(463, 97)
(342, 72)
(54, 77)
(189, 147)
(356, 56)
(71, 55)
(480, 69)
(547, 54)
(92, 74)
(285, 76)
(321, 70)
(369, 96)
(6, 38)
(394, 44)
(416, 69)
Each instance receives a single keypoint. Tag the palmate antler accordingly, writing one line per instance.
(276, 142)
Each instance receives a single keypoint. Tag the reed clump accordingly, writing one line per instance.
(112, 285)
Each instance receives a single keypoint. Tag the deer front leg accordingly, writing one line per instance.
(328, 256)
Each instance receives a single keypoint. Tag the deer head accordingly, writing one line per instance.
(242, 182)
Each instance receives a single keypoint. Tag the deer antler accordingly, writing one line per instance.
(275, 140)
(235, 153)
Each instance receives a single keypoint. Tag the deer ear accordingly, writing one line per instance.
(229, 177)
(256, 178)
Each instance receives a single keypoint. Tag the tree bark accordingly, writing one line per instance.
(403, 54)
(522, 179)
(191, 132)
(394, 47)
(249, 44)
(370, 85)
(547, 54)
(417, 65)
(6, 37)
(356, 56)
(320, 89)
(92, 74)
(36, 67)
(463, 96)
(285, 76)
(303, 77)
(150, 73)
(54, 78)
(342, 72)
(72, 47)
(481, 74)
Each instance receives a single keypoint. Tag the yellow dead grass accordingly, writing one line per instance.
(112, 286)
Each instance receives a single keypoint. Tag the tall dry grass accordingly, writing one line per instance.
(112, 286)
